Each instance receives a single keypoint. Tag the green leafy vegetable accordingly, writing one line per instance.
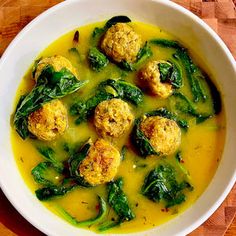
(180, 161)
(74, 52)
(106, 90)
(101, 214)
(170, 73)
(76, 159)
(123, 152)
(97, 59)
(69, 174)
(183, 104)
(169, 115)
(49, 192)
(176, 76)
(119, 202)
(144, 53)
(42, 173)
(123, 90)
(50, 85)
(98, 32)
(49, 155)
(165, 71)
(116, 19)
(193, 72)
(140, 141)
(216, 97)
(166, 43)
(161, 184)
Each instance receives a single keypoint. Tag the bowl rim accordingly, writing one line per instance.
(170, 4)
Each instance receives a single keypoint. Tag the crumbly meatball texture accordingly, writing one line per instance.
(121, 43)
(164, 134)
(113, 118)
(149, 77)
(101, 164)
(48, 122)
(57, 62)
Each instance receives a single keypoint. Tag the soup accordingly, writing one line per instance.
(119, 129)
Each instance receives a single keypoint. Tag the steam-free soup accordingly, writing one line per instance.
(122, 135)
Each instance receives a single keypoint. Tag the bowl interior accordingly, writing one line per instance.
(71, 14)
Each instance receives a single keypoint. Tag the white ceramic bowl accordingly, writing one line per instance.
(50, 25)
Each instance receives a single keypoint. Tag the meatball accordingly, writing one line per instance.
(49, 121)
(121, 43)
(164, 134)
(57, 62)
(113, 118)
(149, 77)
(101, 164)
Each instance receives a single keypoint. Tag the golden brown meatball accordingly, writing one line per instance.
(48, 122)
(121, 43)
(57, 62)
(113, 118)
(101, 164)
(149, 77)
(164, 134)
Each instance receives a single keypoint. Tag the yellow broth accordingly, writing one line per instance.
(201, 146)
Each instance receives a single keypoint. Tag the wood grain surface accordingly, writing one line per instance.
(219, 14)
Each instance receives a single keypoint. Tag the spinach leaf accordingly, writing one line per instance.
(43, 171)
(192, 70)
(97, 60)
(116, 19)
(144, 53)
(123, 152)
(165, 70)
(49, 192)
(176, 76)
(70, 173)
(98, 32)
(170, 73)
(140, 141)
(118, 201)
(161, 184)
(216, 97)
(76, 159)
(101, 214)
(167, 43)
(49, 155)
(169, 115)
(180, 161)
(106, 90)
(183, 104)
(50, 85)
(123, 90)
(75, 53)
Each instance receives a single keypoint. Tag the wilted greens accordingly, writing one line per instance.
(161, 185)
(50, 85)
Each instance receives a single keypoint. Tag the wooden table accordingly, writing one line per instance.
(219, 14)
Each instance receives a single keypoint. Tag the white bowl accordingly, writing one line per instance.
(50, 25)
